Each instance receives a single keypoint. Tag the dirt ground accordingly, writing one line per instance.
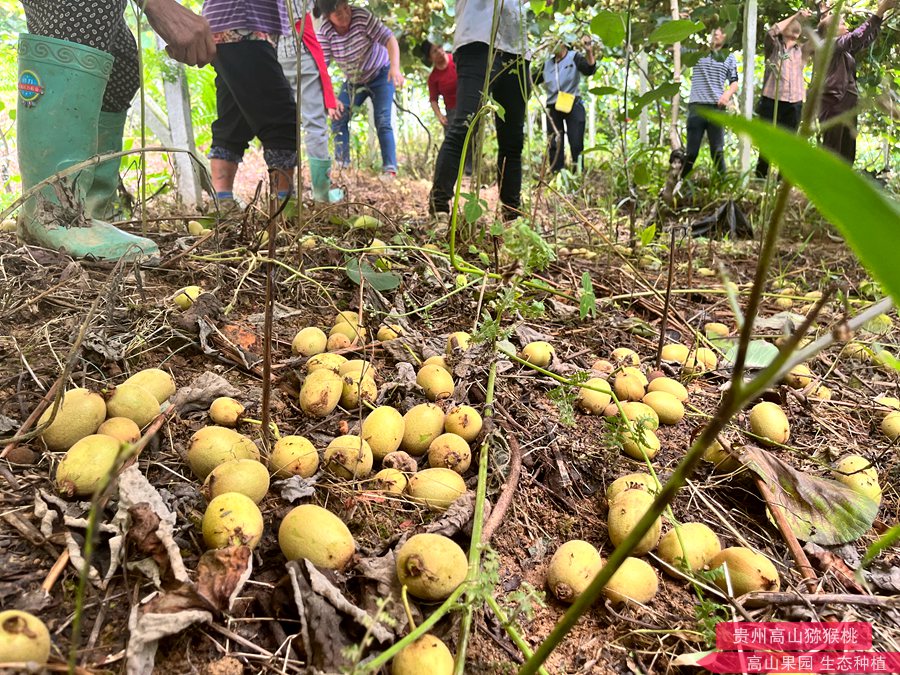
(122, 320)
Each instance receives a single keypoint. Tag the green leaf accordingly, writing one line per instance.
(887, 540)
(816, 509)
(603, 91)
(609, 27)
(380, 281)
(587, 304)
(472, 210)
(866, 217)
(648, 234)
(667, 90)
(642, 177)
(670, 32)
(760, 354)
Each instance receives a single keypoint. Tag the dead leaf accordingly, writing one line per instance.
(826, 561)
(886, 580)
(783, 322)
(295, 488)
(201, 392)
(381, 571)
(817, 509)
(527, 334)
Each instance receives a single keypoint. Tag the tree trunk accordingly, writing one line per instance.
(674, 136)
(643, 86)
(749, 75)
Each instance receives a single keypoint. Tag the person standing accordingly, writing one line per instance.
(442, 81)
(78, 71)
(253, 97)
(714, 81)
(508, 86)
(565, 110)
(784, 88)
(840, 93)
(317, 100)
(369, 54)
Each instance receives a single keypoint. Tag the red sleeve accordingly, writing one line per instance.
(432, 87)
(311, 42)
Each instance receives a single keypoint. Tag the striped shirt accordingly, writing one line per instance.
(709, 76)
(791, 87)
(360, 52)
(264, 16)
(475, 20)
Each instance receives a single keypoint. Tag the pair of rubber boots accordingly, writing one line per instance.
(320, 177)
(59, 124)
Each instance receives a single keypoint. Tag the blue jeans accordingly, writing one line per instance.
(382, 92)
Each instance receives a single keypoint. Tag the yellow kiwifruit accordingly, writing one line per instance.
(133, 402)
(572, 568)
(890, 425)
(624, 513)
(383, 430)
(428, 654)
(799, 377)
(122, 429)
(632, 481)
(822, 392)
(715, 329)
(321, 392)
(232, 519)
(316, 534)
(79, 414)
(465, 421)
(326, 361)
(857, 351)
(538, 353)
(436, 382)
(450, 452)
(437, 488)
(392, 481)
(748, 571)
(348, 457)
(437, 360)
(640, 413)
(858, 474)
(721, 460)
(769, 422)
(668, 408)
(293, 456)
(634, 581)
(422, 424)
(391, 332)
(352, 332)
(357, 366)
(86, 464)
(338, 342)
(226, 411)
(691, 544)
(357, 389)
(458, 342)
(594, 395)
(701, 361)
(628, 387)
(309, 341)
(624, 355)
(602, 366)
(640, 444)
(347, 316)
(155, 380)
(636, 373)
(24, 638)
(211, 446)
(246, 476)
(186, 296)
(670, 386)
(431, 566)
(675, 352)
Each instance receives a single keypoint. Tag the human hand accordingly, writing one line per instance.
(804, 14)
(442, 119)
(723, 100)
(587, 41)
(396, 77)
(187, 35)
(337, 112)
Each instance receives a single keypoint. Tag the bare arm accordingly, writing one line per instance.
(437, 111)
(730, 91)
(394, 74)
(187, 35)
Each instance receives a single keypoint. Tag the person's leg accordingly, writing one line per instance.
(382, 90)
(312, 108)
(716, 136)
(696, 127)
(556, 152)
(766, 111)
(510, 90)
(341, 128)
(231, 132)
(287, 57)
(471, 66)
(575, 127)
(251, 71)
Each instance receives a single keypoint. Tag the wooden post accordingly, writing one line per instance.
(749, 84)
(181, 131)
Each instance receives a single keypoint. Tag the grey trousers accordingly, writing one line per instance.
(312, 109)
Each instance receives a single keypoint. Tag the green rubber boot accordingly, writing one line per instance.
(100, 201)
(319, 171)
(61, 87)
